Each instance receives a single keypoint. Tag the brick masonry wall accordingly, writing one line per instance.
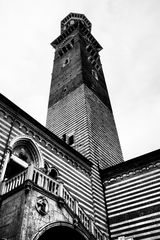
(103, 136)
(66, 78)
(69, 116)
(92, 124)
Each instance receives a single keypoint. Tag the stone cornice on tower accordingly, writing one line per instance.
(75, 17)
(84, 31)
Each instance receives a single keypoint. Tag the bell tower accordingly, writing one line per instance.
(79, 109)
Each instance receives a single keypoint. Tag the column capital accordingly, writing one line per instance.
(9, 149)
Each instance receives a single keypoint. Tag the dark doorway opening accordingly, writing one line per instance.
(61, 233)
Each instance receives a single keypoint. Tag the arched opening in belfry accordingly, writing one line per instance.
(61, 233)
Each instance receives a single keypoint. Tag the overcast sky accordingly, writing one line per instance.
(129, 32)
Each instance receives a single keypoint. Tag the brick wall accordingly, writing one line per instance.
(103, 136)
(82, 113)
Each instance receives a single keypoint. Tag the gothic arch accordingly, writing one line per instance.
(51, 170)
(30, 143)
(68, 228)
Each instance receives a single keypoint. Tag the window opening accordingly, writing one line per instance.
(46, 168)
(66, 61)
(71, 140)
(64, 49)
(69, 47)
(88, 48)
(60, 53)
(64, 137)
(53, 173)
(98, 67)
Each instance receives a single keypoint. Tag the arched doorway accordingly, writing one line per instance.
(61, 232)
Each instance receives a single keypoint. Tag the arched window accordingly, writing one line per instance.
(53, 173)
(24, 152)
(20, 159)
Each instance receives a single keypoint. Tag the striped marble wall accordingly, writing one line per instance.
(76, 176)
(133, 203)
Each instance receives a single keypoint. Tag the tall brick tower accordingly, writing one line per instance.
(79, 109)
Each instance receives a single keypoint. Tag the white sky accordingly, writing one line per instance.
(128, 30)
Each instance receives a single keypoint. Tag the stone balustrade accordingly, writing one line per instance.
(45, 182)
(13, 183)
(57, 189)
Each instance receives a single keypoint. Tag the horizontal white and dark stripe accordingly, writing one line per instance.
(137, 193)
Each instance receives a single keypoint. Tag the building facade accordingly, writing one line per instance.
(69, 180)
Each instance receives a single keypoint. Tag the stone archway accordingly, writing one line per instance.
(21, 152)
(61, 231)
(32, 145)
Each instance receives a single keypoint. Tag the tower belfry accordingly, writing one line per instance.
(79, 109)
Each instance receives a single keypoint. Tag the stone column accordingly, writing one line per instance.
(60, 192)
(29, 175)
(5, 162)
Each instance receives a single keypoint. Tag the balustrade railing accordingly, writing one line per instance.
(56, 188)
(67, 197)
(13, 183)
(84, 218)
(44, 181)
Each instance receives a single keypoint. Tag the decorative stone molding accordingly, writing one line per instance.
(132, 173)
(42, 205)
